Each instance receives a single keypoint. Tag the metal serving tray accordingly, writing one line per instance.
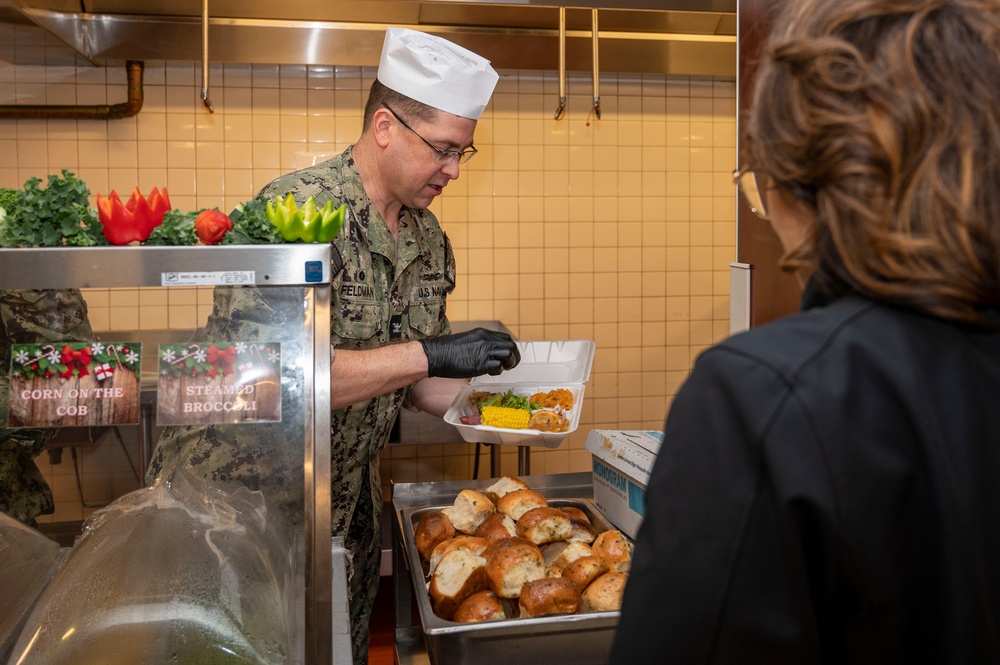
(580, 639)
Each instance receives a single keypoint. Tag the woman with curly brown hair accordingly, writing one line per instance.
(828, 489)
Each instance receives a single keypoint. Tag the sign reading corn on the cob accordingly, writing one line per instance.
(543, 411)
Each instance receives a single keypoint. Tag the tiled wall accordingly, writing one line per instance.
(618, 230)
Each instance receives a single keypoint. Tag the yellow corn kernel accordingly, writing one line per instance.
(506, 417)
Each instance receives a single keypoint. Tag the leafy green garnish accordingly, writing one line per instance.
(516, 401)
(177, 228)
(56, 216)
(8, 199)
(251, 225)
(508, 399)
(494, 399)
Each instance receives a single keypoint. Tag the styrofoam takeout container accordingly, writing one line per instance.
(544, 366)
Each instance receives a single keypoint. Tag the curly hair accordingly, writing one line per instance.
(882, 117)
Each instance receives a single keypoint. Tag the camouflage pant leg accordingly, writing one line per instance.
(24, 494)
(364, 543)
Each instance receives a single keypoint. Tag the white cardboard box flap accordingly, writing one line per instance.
(631, 451)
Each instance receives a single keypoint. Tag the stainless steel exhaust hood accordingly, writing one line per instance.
(694, 37)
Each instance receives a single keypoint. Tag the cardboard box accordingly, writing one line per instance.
(622, 462)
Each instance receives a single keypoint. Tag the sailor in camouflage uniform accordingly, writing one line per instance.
(393, 268)
(31, 317)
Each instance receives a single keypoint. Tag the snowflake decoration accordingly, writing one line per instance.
(131, 357)
(241, 347)
(97, 347)
(22, 356)
(200, 355)
(273, 356)
(54, 357)
(168, 356)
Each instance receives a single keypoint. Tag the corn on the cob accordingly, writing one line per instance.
(506, 417)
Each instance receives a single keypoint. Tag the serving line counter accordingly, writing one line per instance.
(579, 639)
(295, 280)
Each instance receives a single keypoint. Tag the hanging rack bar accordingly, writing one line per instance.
(597, 85)
(204, 57)
(562, 63)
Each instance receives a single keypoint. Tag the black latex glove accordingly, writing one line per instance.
(468, 354)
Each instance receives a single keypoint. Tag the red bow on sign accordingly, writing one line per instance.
(79, 360)
(221, 359)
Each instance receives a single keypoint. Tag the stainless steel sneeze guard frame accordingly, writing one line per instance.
(580, 639)
(293, 265)
(90, 267)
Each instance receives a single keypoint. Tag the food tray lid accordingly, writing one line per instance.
(565, 362)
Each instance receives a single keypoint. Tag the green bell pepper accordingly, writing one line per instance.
(307, 223)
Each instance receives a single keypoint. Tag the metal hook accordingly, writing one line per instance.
(561, 108)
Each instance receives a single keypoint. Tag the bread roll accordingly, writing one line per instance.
(457, 576)
(479, 607)
(582, 533)
(510, 564)
(605, 593)
(432, 528)
(518, 502)
(504, 542)
(583, 529)
(505, 485)
(585, 570)
(551, 550)
(575, 514)
(550, 595)
(496, 527)
(470, 509)
(570, 553)
(544, 525)
(615, 549)
(471, 544)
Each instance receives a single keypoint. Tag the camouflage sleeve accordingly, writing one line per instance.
(31, 317)
(322, 182)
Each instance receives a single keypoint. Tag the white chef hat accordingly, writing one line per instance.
(436, 72)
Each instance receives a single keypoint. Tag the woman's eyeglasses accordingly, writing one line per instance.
(443, 156)
(746, 180)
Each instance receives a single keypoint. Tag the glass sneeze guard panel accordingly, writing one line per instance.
(268, 337)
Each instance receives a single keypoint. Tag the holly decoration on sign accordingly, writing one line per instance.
(214, 359)
(75, 359)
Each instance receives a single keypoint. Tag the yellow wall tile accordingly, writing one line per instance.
(618, 230)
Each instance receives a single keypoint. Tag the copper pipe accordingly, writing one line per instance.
(96, 112)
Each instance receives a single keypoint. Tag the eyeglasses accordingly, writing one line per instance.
(443, 156)
(746, 180)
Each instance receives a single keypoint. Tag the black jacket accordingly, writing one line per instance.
(828, 491)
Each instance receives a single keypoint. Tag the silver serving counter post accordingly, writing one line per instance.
(306, 266)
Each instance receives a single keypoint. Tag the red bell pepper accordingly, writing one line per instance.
(134, 220)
